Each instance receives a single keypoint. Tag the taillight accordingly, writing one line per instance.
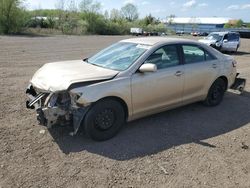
(234, 63)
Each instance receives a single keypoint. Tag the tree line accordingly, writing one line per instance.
(69, 17)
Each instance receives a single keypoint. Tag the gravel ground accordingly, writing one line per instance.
(192, 146)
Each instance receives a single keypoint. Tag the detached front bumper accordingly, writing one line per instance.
(239, 84)
(54, 108)
(48, 113)
(34, 99)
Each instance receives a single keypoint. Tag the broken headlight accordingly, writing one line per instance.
(74, 99)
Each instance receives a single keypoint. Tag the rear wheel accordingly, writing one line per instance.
(104, 120)
(216, 93)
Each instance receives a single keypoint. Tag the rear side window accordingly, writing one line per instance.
(209, 57)
(233, 37)
(194, 54)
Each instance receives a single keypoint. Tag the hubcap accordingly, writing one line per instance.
(105, 119)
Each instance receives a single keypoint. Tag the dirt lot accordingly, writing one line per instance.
(192, 146)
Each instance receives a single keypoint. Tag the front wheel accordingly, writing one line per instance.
(236, 50)
(104, 119)
(216, 93)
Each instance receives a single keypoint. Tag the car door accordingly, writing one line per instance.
(200, 68)
(234, 41)
(157, 90)
(225, 43)
(231, 42)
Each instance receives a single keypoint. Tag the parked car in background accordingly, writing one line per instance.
(203, 34)
(129, 80)
(151, 33)
(195, 33)
(136, 31)
(179, 32)
(223, 41)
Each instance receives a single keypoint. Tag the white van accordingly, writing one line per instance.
(223, 41)
(136, 31)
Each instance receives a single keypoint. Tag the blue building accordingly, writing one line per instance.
(195, 24)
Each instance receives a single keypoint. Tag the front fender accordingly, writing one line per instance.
(119, 87)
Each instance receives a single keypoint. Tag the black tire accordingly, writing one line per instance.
(104, 120)
(216, 93)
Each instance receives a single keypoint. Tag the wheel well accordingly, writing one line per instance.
(224, 78)
(121, 101)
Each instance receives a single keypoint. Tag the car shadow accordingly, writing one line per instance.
(238, 53)
(189, 124)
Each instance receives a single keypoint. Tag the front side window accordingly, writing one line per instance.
(233, 37)
(164, 57)
(209, 57)
(119, 56)
(225, 37)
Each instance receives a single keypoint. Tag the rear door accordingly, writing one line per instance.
(225, 43)
(200, 68)
(234, 41)
(156, 90)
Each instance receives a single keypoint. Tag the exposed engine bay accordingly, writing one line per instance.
(55, 108)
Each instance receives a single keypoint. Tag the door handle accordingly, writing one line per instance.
(214, 66)
(178, 73)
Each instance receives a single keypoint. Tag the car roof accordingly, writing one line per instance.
(155, 40)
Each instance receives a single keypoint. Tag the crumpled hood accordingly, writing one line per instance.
(208, 42)
(59, 76)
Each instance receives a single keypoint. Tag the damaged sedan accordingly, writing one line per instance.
(130, 79)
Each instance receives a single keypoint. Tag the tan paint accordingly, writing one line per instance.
(144, 93)
(59, 76)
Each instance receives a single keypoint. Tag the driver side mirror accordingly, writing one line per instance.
(148, 67)
(225, 41)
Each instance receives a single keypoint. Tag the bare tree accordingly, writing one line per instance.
(130, 12)
(60, 4)
(90, 6)
(171, 18)
(106, 15)
(149, 19)
(72, 7)
(91, 14)
(115, 15)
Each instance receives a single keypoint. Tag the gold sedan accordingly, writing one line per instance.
(128, 80)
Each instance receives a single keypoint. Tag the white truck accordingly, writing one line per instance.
(136, 31)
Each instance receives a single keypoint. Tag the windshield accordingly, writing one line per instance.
(214, 36)
(119, 56)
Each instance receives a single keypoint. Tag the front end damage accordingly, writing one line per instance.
(56, 108)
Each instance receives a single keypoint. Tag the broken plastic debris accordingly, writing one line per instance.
(42, 131)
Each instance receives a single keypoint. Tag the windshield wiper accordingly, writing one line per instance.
(86, 60)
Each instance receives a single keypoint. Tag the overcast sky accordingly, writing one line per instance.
(163, 8)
